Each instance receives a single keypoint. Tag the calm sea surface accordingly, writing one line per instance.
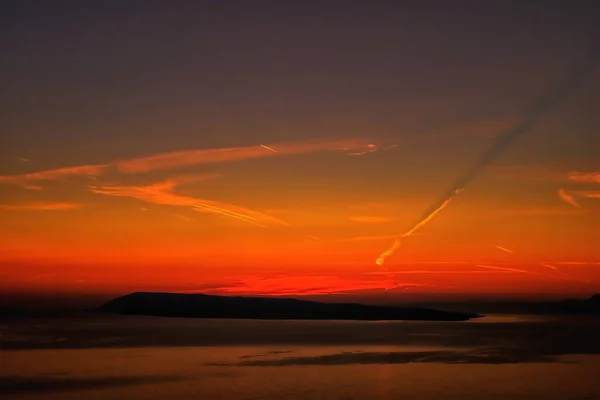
(130, 357)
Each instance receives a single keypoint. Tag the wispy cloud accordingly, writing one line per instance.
(585, 177)
(191, 157)
(268, 148)
(33, 187)
(568, 198)
(543, 173)
(521, 271)
(278, 211)
(555, 272)
(370, 219)
(183, 217)
(373, 238)
(370, 149)
(204, 156)
(23, 159)
(504, 249)
(543, 211)
(575, 263)
(163, 193)
(40, 207)
(434, 272)
(55, 174)
(590, 194)
(294, 285)
(367, 238)
(368, 206)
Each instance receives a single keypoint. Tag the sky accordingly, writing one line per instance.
(280, 148)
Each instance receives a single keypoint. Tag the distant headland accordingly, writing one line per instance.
(589, 306)
(209, 306)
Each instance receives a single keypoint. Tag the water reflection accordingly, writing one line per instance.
(139, 358)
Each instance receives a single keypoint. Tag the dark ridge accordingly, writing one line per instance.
(208, 306)
(589, 306)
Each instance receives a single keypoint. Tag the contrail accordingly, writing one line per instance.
(504, 249)
(232, 214)
(268, 148)
(549, 266)
(503, 141)
(522, 271)
(396, 244)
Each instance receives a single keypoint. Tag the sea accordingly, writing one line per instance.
(102, 356)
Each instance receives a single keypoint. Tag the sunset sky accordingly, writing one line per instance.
(279, 147)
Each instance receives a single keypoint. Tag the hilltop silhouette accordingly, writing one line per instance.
(590, 306)
(208, 306)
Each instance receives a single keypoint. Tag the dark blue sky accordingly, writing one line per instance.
(139, 77)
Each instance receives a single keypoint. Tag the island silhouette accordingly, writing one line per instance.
(210, 306)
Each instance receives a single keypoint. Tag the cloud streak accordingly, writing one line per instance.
(521, 271)
(370, 219)
(205, 156)
(590, 194)
(367, 238)
(55, 174)
(40, 207)
(542, 211)
(163, 193)
(584, 177)
(504, 249)
(568, 198)
(185, 158)
(302, 285)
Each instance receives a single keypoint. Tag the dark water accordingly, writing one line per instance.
(121, 357)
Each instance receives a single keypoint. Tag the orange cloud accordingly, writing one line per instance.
(40, 207)
(368, 206)
(183, 217)
(542, 211)
(542, 173)
(585, 177)
(190, 157)
(268, 148)
(590, 194)
(204, 156)
(33, 187)
(370, 148)
(162, 193)
(367, 238)
(522, 271)
(370, 219)
(296, 285)
(549, 266)
(568, 198)
(504, 249)
(55, 174)
(435, 272)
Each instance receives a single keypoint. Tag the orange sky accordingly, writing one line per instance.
(296, 183)
(258, 234)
